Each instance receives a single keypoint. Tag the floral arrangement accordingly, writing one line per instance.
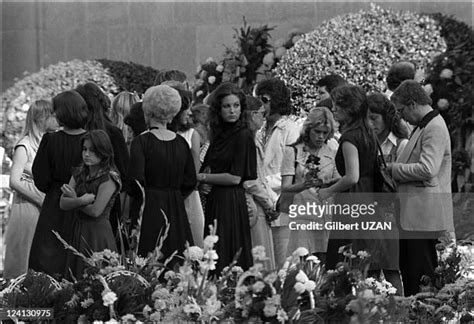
(249, 61)
(302, 291)
(360, 47)
(111, 76)
(450, 77)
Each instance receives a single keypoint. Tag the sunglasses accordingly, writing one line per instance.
(265, 100)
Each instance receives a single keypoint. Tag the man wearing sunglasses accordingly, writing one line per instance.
(277, 132)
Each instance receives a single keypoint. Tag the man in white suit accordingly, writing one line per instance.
(423, 173)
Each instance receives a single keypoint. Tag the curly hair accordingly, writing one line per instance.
(379, 104)
(318, 116)
(279, 94)
(161, 103)
(353, 101)
(98, 104)
(215, 102)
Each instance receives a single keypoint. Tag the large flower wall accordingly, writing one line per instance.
(360, 47)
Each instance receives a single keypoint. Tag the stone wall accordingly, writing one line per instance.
(159, 34)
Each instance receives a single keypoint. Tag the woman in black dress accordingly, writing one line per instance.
(57, 154)
(163, 164)
(98, 104)
(356, 160)
(232, 160)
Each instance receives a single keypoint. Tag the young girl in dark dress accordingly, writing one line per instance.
(57, 154)
(91, 193)
(232, 159)
(98, 104)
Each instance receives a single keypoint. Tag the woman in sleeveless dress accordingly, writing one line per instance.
(28, 199)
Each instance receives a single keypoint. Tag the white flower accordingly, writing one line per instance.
(170, 274)
(108, 297)
(87, 302)
(301, 252)
(367, 293)
(258, 286)
(192, 309)
(112, 321)
(128, 317)
(209, 60)
(392, 291)
(268, 59)
(282, 316)
(25, 107)
(446, 74)
(269, 310)
(211, 79)
(141, 262)
(160, 304)
(271, 278)
(310, 285)
(299, 287)
(258, 253)
(220, 68)
(199, 93)
(195, 253)
(301, 277)
(210, 240)
(146, 310)
(363, 254)
(211, 255)
(443, 104)
(313, 259)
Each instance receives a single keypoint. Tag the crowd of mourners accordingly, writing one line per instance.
(86, 167)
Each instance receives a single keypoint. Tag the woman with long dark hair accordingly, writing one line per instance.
(232, 160)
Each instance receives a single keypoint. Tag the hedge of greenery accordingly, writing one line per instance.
(112, 76)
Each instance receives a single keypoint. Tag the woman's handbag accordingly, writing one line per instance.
(286, 198)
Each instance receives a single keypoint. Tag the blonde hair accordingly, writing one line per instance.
(319, 116)
(38, 113)
(121, 105)
(161, 103)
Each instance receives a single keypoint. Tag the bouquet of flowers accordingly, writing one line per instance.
(312, 165)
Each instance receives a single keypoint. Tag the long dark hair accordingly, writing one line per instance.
(379, 104)
(98, 104)
(215, 103)
(186, 99)
(102, 147)
(353, 100)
